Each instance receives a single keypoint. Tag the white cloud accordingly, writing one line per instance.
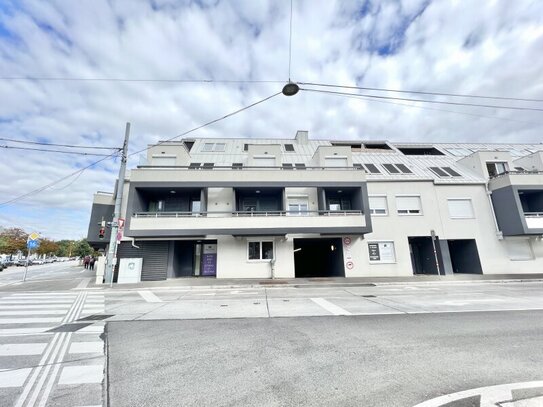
(489, 48)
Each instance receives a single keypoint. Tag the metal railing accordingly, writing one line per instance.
(245, 167)
(503, 174)
(533, 214)
(245, 214)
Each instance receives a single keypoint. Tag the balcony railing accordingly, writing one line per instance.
(245, 214)
(503, 174)
(533, 214)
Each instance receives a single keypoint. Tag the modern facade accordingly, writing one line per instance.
(283, 208)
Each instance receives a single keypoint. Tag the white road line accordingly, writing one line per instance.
(34, 301)
(22, 349)
(37, 306)
(328, 306)
(83, 284)
(149, 296)
(28, 320)
(486, 393)
(33, 312)
(84, 374)
(53, 376)
(87, 347)
(13, 378)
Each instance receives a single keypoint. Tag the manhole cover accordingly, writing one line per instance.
(69, 327)
(96, 317)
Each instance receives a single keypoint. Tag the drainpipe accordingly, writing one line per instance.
(498, 231)
(132, 242)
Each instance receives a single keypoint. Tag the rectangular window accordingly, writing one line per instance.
(246, 147)
(378, 205)
(397, 168)
(391, 169)
(289, 148)
(381, 252)
(358, 166)
(194, 166)
(335, 162)
(264, 161)
(439, 172)
(451, 172)
(237, 166)
(208, 147)
(298, 207)
(403, 168)
(519, 250)
(218, 147)
(372, 169)
(496, 168)
(460, 208)
(409, 205)
(287, 166)
(300, 166)
(208, 166)
(261, 250)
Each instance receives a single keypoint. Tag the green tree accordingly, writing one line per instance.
(66, 248)
(47, 247)
(82, 248)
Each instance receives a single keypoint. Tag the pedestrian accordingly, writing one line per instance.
(86, 261)
(91, 262)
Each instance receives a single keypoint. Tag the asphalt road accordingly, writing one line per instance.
(384, 360)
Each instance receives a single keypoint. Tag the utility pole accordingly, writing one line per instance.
(111, 259)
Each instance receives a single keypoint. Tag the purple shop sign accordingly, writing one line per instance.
(209, 260)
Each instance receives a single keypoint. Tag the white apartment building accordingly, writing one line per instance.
(284, 208)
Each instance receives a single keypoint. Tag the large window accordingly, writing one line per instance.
(378, 205)
(408, 205)
(217, 147)
(264, 161)
(460, 208)
(260, 250)
(298, 207)
(339, 204)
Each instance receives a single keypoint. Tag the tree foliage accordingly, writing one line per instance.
(13, 240)
(82, 249)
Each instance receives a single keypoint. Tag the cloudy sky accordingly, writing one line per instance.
(469, 47)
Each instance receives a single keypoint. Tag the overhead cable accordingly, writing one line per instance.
(425, 101)
(420, 92)
(58, 145)
(171, 80)
(41, 150)
(207, 124)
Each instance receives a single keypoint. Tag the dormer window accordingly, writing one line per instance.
(289, 148)
(496, 168)
(215, 147)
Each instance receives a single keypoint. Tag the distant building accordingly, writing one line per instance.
(255, 208)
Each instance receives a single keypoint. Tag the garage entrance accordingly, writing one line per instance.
(465, 256)
(321, 257)
(423, 255)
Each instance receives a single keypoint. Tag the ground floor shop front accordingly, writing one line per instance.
(319, 256)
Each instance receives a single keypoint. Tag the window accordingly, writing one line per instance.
(519, 250)
(261, 250)
(300, 166)
(164, 160)
(335, 162)
(397, 168)
(460, 208)
(378, 205)
(444, 172)
(208, 166)
(420, 151)
(246, 147)
(372, 169)
(358, 166)
(217, 147)
(298, 207)
(381, 252)
(194, 166)
(287, 166)
(408, 205)
(496, 168)
(289, 148)
(268, 161)
(339, 204)
(237, 166)
(459, 152)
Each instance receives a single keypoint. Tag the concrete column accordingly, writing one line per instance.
(446, 257)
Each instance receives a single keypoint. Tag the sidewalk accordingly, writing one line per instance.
(209, 282)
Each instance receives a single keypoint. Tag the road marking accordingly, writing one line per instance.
(490, 393)
(328, 306)
(23, 302)
(83, 284)
(81, 374)
(36, 306)
(22, 349)
(33, 312)
(13, 378)
(23, 331)
(149, 296)
(87, 347)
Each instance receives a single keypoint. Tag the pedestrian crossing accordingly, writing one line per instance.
(40, 367)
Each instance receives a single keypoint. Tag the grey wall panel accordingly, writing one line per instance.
(155, 256)
(507, 211)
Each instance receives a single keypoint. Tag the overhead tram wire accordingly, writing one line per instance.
(57, 145)
(290, 42)
(167, 80)
(41, 150)
(441, 102)
(327, 85)
(207, 124)
(42, 188)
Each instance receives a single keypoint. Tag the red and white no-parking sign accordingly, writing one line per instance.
(347, 241)
(349, 265)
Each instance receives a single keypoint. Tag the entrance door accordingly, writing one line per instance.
(423, 255)
(464, 256)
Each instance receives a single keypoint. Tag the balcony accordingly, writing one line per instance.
(247, 223)
(534, 220)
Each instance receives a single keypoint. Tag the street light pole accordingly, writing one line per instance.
(112, 251)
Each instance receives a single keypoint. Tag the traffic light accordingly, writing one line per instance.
(102, 232)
